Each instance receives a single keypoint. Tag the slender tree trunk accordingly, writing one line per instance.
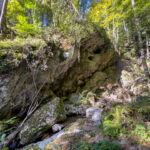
(141, 49)
(114, 34)
(126, 31)
(3, 10)
(108, 29)
(117, 36)
(147, 46)
(74, 7)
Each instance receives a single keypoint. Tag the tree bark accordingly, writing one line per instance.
(126, 31)
(147, 46)
(3, 11)
(141, 49)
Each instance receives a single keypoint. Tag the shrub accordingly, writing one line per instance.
(141, 131)
(113, 122)
(125, 121)
(111, 128)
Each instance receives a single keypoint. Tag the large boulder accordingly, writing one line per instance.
(89, 67)
(94, 114)
(127, 78)
(42, 120)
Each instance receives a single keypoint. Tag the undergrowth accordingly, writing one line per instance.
(12, 52)
(6, 126)
(127, 121)
(101, 145)
(83, 100)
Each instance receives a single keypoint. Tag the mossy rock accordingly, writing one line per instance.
(42, 120)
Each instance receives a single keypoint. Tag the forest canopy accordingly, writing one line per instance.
(115, 16)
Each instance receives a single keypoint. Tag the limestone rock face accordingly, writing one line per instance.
(4, 97)
(57, 127)
(95, 67)
(16, 92)
(43, 119)
(91, 98)
(127, 78)
(94, 114)
(75, 110)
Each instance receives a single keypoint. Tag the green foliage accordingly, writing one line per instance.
(10, 121)
(84, 146)
(4, 64)
(18, 43)
(124, 121)
(112, 123)
(6, 127)
(92, 134)
(140, 109)
(141, 131)
(118, 19)
(24, 28)
(111, 128)
(141, 106)
(84, 99)
(102, 145)
(12, 52)
(31, 17)
(76, 103)
(24, 16)
(106, 145)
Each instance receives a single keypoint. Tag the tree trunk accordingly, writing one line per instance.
(114, 34)
(126, 31)
(141, 49)
(3, 10)
(147, 46)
